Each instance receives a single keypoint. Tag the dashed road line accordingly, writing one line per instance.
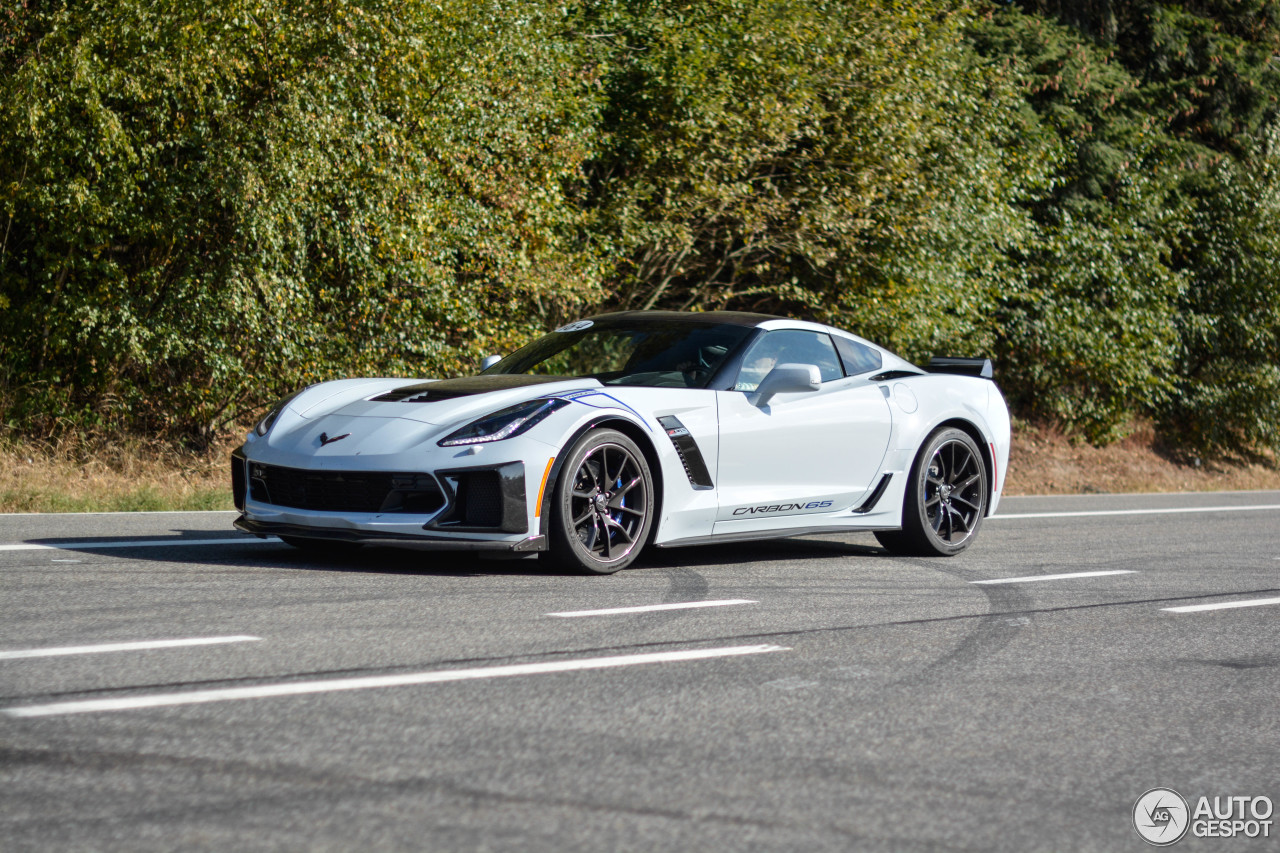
(1162, 511)
(1222, 605)
(124, 512)
(57, 651)
(649, 608)
(1031, 578)
(298, 688)
(132, 543)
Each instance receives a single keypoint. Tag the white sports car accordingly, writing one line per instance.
(634, 429)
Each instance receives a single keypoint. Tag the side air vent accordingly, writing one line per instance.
(695, 467)
(239, 483)
(485, 500)
(875, 496)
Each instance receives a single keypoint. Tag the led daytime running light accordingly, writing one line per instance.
(505, 423)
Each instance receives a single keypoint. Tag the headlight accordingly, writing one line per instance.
(506, 423)
(264, 425)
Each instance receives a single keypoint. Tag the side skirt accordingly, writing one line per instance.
(764, 534)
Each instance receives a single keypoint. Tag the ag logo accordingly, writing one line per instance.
(1161, 816)
(580, 326)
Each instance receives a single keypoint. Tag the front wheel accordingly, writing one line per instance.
(602, 508)
(946, 498)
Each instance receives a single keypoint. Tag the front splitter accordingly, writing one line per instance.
(401, 540)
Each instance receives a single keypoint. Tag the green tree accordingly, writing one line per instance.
(206, 204)
(1228, 379)
(845, 160)
(1149, 260)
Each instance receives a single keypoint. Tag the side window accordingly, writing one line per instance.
(788, 346)
(857, 358)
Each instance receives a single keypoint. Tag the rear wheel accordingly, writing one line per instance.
(946, 498)
(602, 508)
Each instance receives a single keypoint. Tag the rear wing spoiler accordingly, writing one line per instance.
(980, 367)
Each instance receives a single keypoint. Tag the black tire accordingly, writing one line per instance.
(327, 547)
(602, 507)
(946, 498)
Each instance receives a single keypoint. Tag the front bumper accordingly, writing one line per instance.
(477, 508)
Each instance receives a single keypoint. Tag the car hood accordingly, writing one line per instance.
(446, 401)
(391, 416)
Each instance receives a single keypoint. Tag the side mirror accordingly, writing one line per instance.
(787, 378)
(489, 361)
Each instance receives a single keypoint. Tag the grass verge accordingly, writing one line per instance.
(130, 475)
(1043, 461)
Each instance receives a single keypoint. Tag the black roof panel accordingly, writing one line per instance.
(728, 318)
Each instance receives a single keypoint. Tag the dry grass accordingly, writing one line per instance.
(1045, 462)
(119, 476)
(133, 475)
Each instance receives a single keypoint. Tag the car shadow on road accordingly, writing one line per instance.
(197, 547)
(759, 551)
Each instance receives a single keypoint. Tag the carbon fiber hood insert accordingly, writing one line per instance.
(466, 386)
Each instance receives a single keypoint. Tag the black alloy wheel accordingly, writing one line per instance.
(946, 498)
(603, 504)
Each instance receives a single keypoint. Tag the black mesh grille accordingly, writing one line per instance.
(481, 497)
(345, 491)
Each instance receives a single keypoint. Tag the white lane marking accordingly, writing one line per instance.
(132, 543)
(648, 608)
(1222, 605)
(128, 512)
(1164, 511)
(15, 654)
(298, 688)
(1030, 578)
(66, 561)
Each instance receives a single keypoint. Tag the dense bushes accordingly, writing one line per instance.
(208, 204)
(205, 205)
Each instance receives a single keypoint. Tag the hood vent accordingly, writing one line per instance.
(420, 393)
(466, 386)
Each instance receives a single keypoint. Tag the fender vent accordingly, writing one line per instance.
(695, 467)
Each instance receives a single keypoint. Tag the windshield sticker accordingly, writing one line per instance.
(580, 326)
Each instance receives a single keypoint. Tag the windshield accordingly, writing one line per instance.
(656, 353)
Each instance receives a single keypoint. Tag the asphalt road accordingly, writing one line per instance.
(848, 700)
